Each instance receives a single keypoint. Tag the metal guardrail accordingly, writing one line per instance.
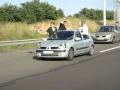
(19, 42)
(27, 41)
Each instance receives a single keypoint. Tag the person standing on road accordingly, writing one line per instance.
(51, 30)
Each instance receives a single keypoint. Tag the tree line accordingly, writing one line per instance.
(36, 11)
(94, 14)
(30, 12)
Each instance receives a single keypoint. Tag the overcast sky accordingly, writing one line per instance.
(70, 7)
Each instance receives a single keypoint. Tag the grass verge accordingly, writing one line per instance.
(18, 47)
(19, 30)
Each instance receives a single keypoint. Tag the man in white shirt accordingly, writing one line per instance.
(84, 28)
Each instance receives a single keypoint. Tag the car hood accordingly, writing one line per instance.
(103, 33)
(53, 43)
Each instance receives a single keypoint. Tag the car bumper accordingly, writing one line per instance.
(102, 40)
(54, 54)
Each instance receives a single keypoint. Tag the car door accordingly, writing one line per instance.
(78, 43)
(87, 42)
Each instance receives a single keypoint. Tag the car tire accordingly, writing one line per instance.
(91, 51)
(113, 40)
(70, 54)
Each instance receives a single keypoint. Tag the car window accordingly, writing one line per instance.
(106, 29)
(116, 29)
(78, 35)
(85, 37)
(62, 35)
(119, 28)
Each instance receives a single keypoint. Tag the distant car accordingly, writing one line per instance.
(66, 44)
(108, 33)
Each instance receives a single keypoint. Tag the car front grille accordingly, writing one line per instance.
(55, 51)
(100, 36)
(54, 47)
(103, 36)
(42, 47)
(49, 47)
(101, 40)
(49, 54)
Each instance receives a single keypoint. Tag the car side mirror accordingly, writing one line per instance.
(115, 31)
(77, 39)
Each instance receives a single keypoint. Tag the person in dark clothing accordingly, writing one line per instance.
(51, 30)
(63, 25)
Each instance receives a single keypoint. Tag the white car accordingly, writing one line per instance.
(108, 33)
(65, 44)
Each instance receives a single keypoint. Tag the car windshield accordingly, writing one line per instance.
(62, 35)
(106, 29)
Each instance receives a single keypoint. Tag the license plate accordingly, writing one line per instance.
(100, 38)
(48, 52)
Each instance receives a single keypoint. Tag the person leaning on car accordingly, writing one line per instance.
(51, 30)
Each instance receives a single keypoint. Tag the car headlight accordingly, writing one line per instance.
(62, 46)
(108, 36)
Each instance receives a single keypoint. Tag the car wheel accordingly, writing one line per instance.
(91, 51)
(113, 40)
(70, 54)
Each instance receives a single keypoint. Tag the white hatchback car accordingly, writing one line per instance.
(65, 44)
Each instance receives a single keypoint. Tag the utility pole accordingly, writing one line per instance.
(117, 12)
(104, 12)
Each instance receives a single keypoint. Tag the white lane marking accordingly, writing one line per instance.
(109, 49)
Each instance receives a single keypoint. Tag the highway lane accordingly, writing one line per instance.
(101, 73)
(22, 64)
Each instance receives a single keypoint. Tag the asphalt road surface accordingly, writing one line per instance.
(20, 70)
